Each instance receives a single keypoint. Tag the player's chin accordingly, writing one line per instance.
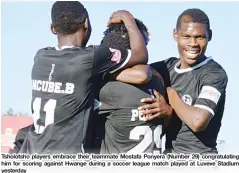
(192, 60)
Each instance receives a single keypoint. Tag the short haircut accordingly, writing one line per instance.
(68, 16)
(193, 15)
(116, 35)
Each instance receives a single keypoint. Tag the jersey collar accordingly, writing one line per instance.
(63, 47)
(191, 68)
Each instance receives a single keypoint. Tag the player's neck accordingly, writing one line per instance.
(184, 65)
(70, 40)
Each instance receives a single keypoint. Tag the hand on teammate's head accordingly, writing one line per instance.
(121, 16)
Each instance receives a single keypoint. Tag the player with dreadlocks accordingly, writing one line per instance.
(119, 28)
(125, 130)
(116, 36)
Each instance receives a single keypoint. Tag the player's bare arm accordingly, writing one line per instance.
(195, 118)
(139, 74)
(139, 53)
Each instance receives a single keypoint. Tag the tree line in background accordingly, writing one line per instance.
(10, 112)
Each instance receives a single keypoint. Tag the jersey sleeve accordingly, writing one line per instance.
(19, 139)
(109, 60)
(213, 90)
(163, 67)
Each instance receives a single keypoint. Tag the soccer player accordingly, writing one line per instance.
(125, 130)
(63, 77)
(198, 88)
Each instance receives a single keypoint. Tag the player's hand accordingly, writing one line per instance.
(121, 16)
(156, 107)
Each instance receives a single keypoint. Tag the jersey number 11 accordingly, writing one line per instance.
(49, 108)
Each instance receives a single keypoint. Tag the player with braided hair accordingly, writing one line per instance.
(120, 28)
(125, 130)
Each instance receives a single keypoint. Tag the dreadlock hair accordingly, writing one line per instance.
(116, 35)
(68, 16)
(193, 15)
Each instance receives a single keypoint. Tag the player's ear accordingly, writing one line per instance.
(86, 24)
(87, 28)
(209, 35)
(175, 35)
(53, 29)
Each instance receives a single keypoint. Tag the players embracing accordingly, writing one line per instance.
(132, 100)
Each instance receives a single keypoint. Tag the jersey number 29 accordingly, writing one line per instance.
(149, 137)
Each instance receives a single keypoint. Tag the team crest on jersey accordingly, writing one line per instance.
(116, 55)
(187, 99)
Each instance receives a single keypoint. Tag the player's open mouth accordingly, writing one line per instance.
(191, 54)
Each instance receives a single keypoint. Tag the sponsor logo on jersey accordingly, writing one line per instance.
(210, 93)
(187, 99)
(116, 55)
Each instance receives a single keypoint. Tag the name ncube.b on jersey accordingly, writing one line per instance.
(63, 78)
(53, 87)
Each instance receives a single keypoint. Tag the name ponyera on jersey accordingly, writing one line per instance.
(136, 115)
(52, 87)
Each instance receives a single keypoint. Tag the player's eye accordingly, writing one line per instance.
(185, 36)
(200, 37)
